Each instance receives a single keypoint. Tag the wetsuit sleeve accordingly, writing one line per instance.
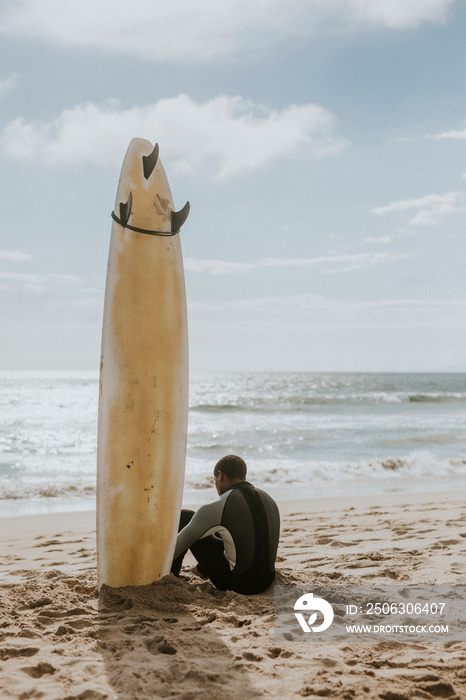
(205, 521)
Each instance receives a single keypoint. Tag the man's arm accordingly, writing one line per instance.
(205, 521)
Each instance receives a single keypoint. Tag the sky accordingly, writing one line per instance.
(321, 144)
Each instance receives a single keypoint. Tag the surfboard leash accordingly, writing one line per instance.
(177, 219)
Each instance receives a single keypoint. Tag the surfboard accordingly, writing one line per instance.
(143, 402)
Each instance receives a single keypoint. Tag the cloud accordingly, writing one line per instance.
(459, 134)
(32, 295)
(399, 14)
(206, 29)
(394, 311)
(428, 211)
(217, 267)
(223, 136)
(327, 264)
(35, 284)
(389, 238)
(14, 255)
(336, 263)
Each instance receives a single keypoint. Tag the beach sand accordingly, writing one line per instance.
(182, 638)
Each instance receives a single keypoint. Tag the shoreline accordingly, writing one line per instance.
(183, 638)
(286, 505)
(194, 498)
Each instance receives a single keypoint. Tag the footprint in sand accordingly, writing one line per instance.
(332, 575)
(274, 652)
(84, 554)
(210, 618)
(362, 564)
(339, 543)
(13, 652)
(328, 663)
(438, 690)
(28, 634)
(400, 531)
(49, 543)
(390, 573)
(448, 542)
(40, 670)
(39, 603)
(249, 656)
(321, 692)
(159, 645)
(441, 544)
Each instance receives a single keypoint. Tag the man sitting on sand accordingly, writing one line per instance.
(235, 538)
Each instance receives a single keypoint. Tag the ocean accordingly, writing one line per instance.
(302, 435)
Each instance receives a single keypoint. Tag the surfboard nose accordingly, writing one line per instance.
(144, 196)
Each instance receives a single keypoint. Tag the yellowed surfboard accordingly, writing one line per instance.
(143, 404)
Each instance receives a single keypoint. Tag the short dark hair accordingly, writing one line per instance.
(233, 466)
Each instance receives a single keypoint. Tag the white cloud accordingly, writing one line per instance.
(14, 255)
(382, 239)
(343, 312)
(336, 263)
(400, 14)
(223, 136)
(217, 267)
(206, 29)
(452, 134)
(30, 294)
(327, 264)
(35, 283)
(428, 210)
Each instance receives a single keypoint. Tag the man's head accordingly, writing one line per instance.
(228, 471)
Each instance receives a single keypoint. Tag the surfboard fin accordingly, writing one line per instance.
(149, 162)
(179, 217)
(125, 210)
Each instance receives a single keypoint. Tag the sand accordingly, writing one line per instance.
(182, 638)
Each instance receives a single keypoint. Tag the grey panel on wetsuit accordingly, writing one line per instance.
(206, 518)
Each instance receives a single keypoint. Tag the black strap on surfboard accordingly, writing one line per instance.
(177, 219)
(142, 230)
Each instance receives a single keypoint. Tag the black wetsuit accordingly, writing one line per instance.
(240, 556)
